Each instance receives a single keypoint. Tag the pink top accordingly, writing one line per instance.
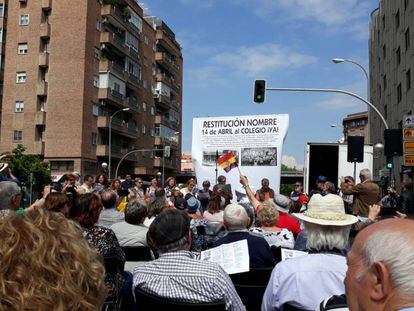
(214, 217)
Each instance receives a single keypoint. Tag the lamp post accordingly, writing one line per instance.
(110, 139)
(345, 60)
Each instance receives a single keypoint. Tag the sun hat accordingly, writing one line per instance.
(326, 210)
(192, 204)
(282, 203)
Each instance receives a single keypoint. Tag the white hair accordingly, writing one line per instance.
(8, 190)
(326, 237)
(396, 250)
(235, 217)
(366, 173)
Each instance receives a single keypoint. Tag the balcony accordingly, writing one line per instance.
(112, 96)
(167, 43)
(117, 152)
(117, 126)
(110, 38)
(45, 30)
(166, 61)
(113, 67)
(44, 59)
(116, 17)
(175, 104)
(162, 100)
(133, 79)
(46, 5)
(168, 163)
(167, 122)
(163, 141)
(42, 88)
(40, 118)
(39, 147)
(132, 103)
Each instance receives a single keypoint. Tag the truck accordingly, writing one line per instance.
(330, 160)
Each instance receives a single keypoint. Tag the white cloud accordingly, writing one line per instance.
(291, 162)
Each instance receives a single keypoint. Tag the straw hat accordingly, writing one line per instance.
(326, 210)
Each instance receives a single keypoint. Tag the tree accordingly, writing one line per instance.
(23, 164)
(286, 168)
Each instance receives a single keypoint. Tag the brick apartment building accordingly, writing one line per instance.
(71, 65)
(356, 124)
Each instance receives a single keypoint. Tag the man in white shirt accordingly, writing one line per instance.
(303, 282)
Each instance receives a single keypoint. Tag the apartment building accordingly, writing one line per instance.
(356, 124)
(391, 53)
(76, 71)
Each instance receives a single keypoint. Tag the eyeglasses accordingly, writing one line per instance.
(298, 185)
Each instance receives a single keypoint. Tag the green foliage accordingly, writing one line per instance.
(126, 12)
(23, 164)
(288, 169)
(286, 189)
(112, 2)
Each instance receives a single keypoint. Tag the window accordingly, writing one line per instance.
(397, 20)
(95, 109)
(383, 22)
(117, 87)
(97, 53)
(144, 106)
(152, 132)
(407, 39)
(1, 34)
(384, 82)
(2, 10)
(152, 111)
(17, 135)
(386, 112)
(21, 77)
(398, 56)
(399, 93)
(62, 165)
(131, 41)
(145, 61)
(144, 129)
(98, 25)
(22, 48)
(154, 47)
(19, 106)
(94, 139)
(384, 51)
(95, 81)
(24, 20)
(406, 4)
(146, 39)
(408, 79)
(145, 84)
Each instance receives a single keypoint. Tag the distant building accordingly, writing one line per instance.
(187, 166)
(391, 49)
(69, 66)
(356, 124)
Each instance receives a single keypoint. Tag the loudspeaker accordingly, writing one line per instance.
(393, 144)
(355, 148)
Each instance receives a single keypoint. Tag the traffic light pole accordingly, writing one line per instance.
(332, 91)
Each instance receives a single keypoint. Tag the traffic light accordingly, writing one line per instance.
(389, 162)
(259, 91)
(167, 151)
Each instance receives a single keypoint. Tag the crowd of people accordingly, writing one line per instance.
(66, 251)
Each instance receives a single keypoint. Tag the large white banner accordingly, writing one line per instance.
(256, 141)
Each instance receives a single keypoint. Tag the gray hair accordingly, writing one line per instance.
(326, 237)
(235, 217)
(135, 212)
(366, 173)
(8, 190)
(172, 247)
(396, 251)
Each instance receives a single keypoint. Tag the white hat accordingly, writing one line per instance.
(3, 166)
(282, 203)
(326, 210)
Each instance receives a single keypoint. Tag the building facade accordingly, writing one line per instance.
(356, 124)
(77, 70)
(391, 53)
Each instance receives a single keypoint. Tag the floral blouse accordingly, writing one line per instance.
(105, 242)
(283, 238)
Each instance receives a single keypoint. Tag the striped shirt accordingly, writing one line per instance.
(181, 277)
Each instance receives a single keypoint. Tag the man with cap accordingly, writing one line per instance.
(176, 274)
(303, 282)
(320, 182)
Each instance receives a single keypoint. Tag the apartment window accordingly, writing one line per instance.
(95, 109)
(154, 47)
(384, 52)
(145, 61)
(152, 111)
(384, 82)
(397, 20)
(145, 84)
(386, 111)
(407, 39)
(94, 139)
(398, 56)
(152, 132)
(21, 77)
(62, 165)
(97, 53)
(24, 20)
(117, 87)
(1, 34)
(144, 106)
(95, 81)
(383, 21)
(399, 93)
(1, 9)
(22, 48)
(144, 129)
(408, 79)
(98, 25)
(406, 4)
(17, 135)
(19, 106)
(146, 39)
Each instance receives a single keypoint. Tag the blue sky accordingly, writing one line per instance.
(227, 44)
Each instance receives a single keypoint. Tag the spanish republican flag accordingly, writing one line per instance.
(227, 162)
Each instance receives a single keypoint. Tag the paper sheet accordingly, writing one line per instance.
(290, 253)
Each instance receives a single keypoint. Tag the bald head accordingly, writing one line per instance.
(381, 266)
(109, 198)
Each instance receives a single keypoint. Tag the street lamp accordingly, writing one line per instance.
(378, 146)
(110, 139)
(345, 60)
